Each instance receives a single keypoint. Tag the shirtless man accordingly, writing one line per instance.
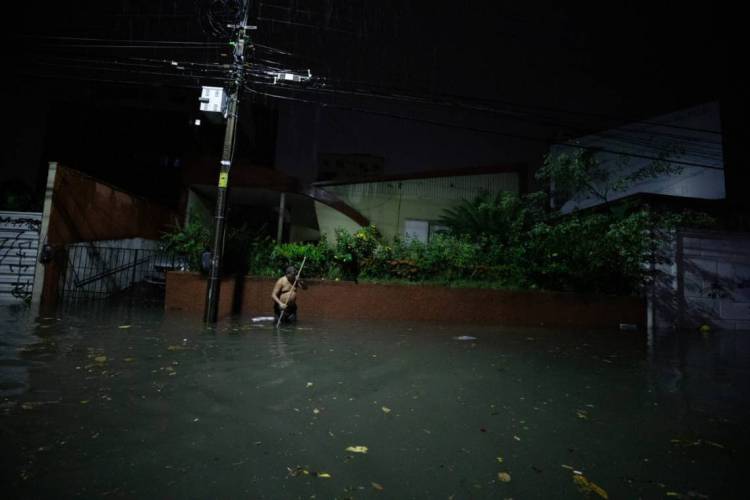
(284, 296)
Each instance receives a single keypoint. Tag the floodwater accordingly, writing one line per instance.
(131, 402)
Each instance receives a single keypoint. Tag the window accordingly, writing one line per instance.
(416, 230)
(421, 230)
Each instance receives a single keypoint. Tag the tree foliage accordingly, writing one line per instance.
(578, 172)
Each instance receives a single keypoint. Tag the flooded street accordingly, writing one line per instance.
(134, 402)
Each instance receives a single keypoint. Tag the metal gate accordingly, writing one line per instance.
(99, 272)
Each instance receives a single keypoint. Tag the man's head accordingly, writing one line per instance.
(290, 273)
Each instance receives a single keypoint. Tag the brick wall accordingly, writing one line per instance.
(346, 300)
(187, 292)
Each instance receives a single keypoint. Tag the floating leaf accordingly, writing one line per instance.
(516, 438)
(129, 360)
(504, 477)
(587, 486)
(385, 409)
(500, 460)
(309, 384)
(296, 471)
(377, 486)
(697, 442)
(123, 327)
(84, 401)
(712, 443)
(100, 359)
(316, 411)
(357, 449)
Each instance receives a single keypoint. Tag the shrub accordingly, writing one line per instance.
(189, 241)
(318, 258)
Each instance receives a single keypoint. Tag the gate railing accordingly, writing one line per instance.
(94, 272)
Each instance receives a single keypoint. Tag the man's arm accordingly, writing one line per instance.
(275, 293)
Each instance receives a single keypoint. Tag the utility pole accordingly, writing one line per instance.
(238, 79)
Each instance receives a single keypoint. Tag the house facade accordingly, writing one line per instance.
(411, 206)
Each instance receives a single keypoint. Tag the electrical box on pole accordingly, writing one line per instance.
(213, 100)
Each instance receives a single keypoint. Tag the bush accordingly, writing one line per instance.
(259, 258)
(189, 241)
(583, 252)
(318, 258)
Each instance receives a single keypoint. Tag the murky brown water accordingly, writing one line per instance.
(130, 402)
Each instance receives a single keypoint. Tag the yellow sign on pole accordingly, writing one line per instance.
(223, 179)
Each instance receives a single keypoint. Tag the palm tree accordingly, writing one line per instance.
(503, 216)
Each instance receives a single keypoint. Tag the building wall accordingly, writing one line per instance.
(705, 282)
(19, 244)
(323, 300)
(692, 136)
(388, 204)
(197, 206)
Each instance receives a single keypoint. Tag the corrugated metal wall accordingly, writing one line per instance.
(443, 188)
(389, 204)
(19, 241)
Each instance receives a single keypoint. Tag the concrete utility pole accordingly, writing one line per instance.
(238, 79)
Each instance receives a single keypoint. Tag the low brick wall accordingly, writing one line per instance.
(347, 300)
(187, 292)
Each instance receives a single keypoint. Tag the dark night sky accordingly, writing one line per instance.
(582, 66)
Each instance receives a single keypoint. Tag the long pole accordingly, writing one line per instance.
(214, 278)
(294, 285)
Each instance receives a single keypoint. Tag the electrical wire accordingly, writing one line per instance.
(482, 130)
(124, 41)
(643, 141)
(264, 68)
(204, 70)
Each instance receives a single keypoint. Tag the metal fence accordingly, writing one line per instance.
(95, 272)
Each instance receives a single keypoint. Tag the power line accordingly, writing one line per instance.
(529, 107)
(130, 71)
(205, 70)
(635, 141)
(106, 80)
(482, 130)
(531, 114)
(119, 40)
